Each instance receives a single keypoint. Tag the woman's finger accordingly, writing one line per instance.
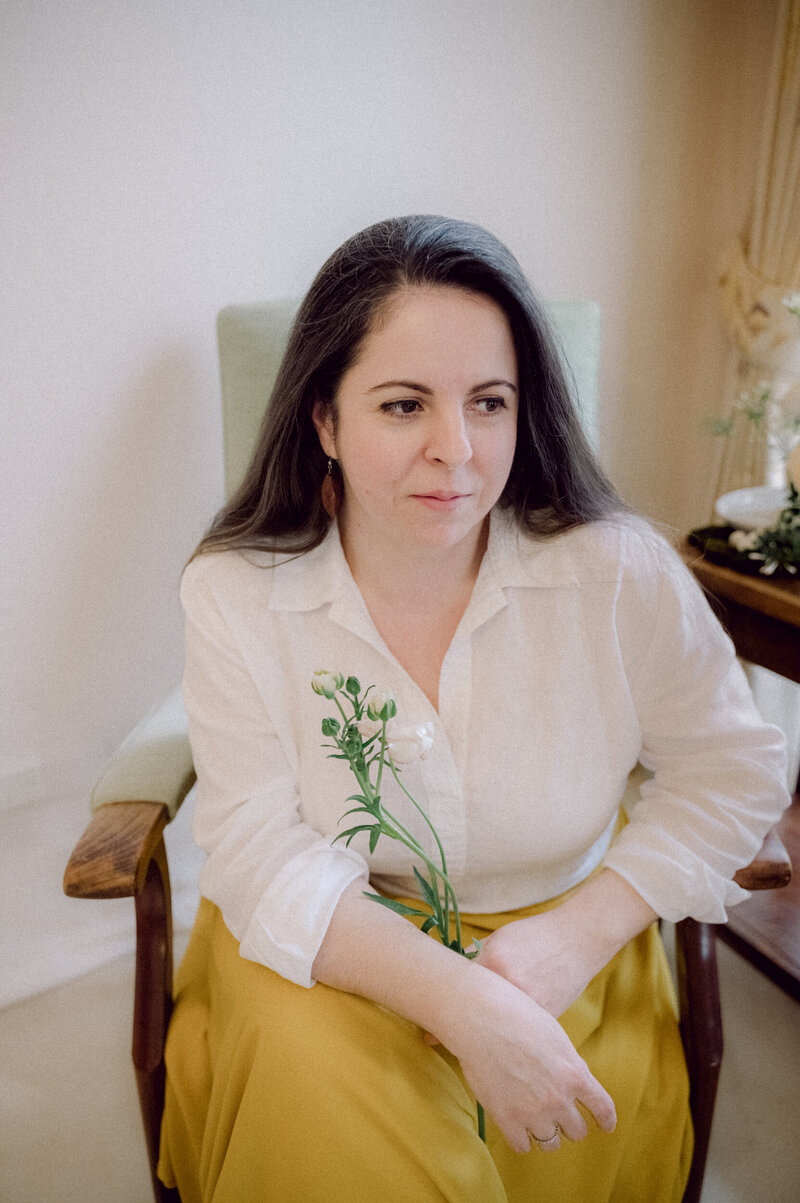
(599, 1104)
(572, 1125)
(545, 1144)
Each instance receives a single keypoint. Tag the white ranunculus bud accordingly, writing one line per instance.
(381, 705)
(743, 540)
(326, 683)
(407, 741)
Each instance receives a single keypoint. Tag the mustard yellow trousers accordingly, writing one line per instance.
(279, 1094)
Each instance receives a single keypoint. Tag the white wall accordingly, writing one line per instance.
(163, 158)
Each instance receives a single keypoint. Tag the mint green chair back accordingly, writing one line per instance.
(252, 339)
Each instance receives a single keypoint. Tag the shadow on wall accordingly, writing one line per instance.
(107, 634)
(111, 619)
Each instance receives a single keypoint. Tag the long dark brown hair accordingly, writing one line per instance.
(555, 481)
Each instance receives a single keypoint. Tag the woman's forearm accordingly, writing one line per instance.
(515, 1056)
(371, 951)
(602, 915)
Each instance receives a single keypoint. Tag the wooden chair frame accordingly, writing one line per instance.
(122, 854)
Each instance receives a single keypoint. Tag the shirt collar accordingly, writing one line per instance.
(512, 559)
(313, 579)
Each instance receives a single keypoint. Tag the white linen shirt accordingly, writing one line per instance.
(577, 656)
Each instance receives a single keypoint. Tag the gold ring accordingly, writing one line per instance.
(544, 1143)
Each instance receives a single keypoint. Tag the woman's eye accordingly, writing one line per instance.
(492, 404)
(401, 409)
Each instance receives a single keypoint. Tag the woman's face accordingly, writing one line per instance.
(426, 420)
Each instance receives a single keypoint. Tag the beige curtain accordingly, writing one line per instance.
(759, 271)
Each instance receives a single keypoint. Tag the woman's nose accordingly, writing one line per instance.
(448, 439)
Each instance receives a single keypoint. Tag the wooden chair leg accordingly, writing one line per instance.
(153, 1005)
(701, 1032)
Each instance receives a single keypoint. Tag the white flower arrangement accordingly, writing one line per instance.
(774, 549)
(761, 407)
(777, 548)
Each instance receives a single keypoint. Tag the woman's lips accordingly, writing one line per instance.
(440, 501)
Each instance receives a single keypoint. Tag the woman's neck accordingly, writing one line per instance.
(416, 600)
(413, 574)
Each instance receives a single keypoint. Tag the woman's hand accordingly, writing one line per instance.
(553, 956)
(537, 956)
(515, 1056)
(523, 1068)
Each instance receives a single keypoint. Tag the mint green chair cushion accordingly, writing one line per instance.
(154, 762)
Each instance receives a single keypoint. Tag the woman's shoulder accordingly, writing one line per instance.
(230, 572)
(619, 547)
(243, 577)
(622, 545)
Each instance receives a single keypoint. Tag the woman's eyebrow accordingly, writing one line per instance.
(428, 392)
(479, 388)
(409, 384)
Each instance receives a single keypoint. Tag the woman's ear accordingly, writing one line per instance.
(322, 418)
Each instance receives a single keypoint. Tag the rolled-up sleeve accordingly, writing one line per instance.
(275, 879)
(719, 771)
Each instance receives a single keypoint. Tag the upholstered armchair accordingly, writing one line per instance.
(122, 852)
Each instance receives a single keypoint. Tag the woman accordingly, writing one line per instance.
(480, 566)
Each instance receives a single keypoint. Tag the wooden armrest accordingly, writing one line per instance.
(112, 856)
(121, 854)
(770, 870)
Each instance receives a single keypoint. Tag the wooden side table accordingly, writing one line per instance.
(762, 617)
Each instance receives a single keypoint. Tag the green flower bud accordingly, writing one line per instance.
(352, 742)
(330, 727)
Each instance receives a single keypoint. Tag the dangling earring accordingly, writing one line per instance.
(331, 491)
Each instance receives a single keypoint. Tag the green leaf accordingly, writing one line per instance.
(351, 833)
(399, 907)
(719, 426)
(433, 900)
(471, 955)
(375, 835)
(358, 810)
(428, 924)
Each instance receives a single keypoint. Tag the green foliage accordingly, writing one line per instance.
(366, 753)
(750, 406)
(367, 757)
(779, 547)
(719, 426)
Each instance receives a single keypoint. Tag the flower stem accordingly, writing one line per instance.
(441, 900)
(381, 758)
(450, 895)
